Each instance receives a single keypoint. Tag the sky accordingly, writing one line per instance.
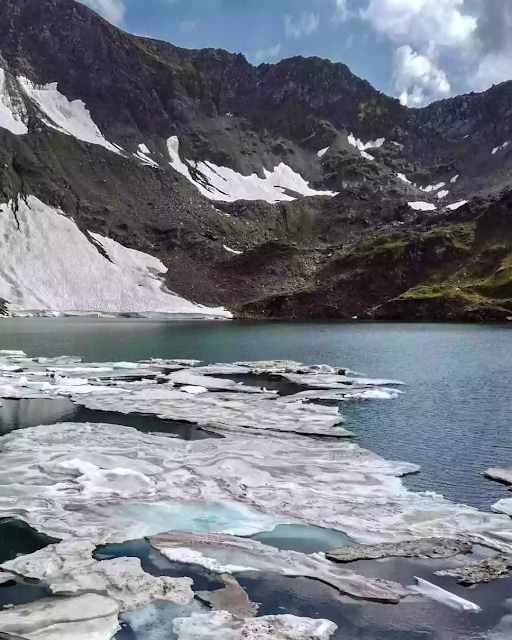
(416, 50)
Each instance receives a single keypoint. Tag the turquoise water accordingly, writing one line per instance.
(454, 418)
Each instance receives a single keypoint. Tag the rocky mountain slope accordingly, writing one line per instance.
(288, 190)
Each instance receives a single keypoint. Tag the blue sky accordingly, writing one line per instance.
(418, 50)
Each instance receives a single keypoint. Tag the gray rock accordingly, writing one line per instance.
(481, 571)
(426, 548)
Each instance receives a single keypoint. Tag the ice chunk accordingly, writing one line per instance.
(71, 118)
(444, 597)
(442, 194)
(501, 474)
(220, 625)
(12, 111)
(208, 382)
(422, 206)
(46, 262)
(224, 184)
(88, 617)
(503, 506)
(156, 620)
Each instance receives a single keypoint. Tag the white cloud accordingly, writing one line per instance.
(341, 13)
(265, 54)
(187, 25)
(111, 10)
(421, 23)
(418, 79)
(433, 38)
(307, 24)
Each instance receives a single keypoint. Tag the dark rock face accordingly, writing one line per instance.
(364, 252)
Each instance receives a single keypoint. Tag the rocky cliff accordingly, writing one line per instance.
(288, 190)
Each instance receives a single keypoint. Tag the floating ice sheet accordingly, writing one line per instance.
(228, 554)
(115, 483)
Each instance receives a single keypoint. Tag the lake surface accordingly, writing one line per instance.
(454, 418)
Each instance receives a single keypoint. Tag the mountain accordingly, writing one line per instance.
(131, 168)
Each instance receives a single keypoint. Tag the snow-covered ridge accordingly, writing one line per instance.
(47, 262)
(224, 184)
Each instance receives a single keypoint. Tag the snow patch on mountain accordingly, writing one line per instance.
(47, 262)
(224, 184)
(322, 152)
(11, 115)
(422, 206)
(456, 205)
(71, 118)
(364, 146)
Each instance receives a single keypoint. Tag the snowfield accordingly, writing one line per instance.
(71, 118)
(224, 184)
(47, 262)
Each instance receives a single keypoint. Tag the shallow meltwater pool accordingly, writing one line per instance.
(251, 511)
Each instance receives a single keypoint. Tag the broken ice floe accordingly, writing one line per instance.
(220, 625)
(68, 569)
(47, 262)
(232, 555)
(225, 184)
(87, 617)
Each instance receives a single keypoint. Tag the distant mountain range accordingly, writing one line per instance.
(293, 190)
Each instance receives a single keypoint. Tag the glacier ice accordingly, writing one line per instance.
(220, 625)
(46, 262)
(224, 184)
